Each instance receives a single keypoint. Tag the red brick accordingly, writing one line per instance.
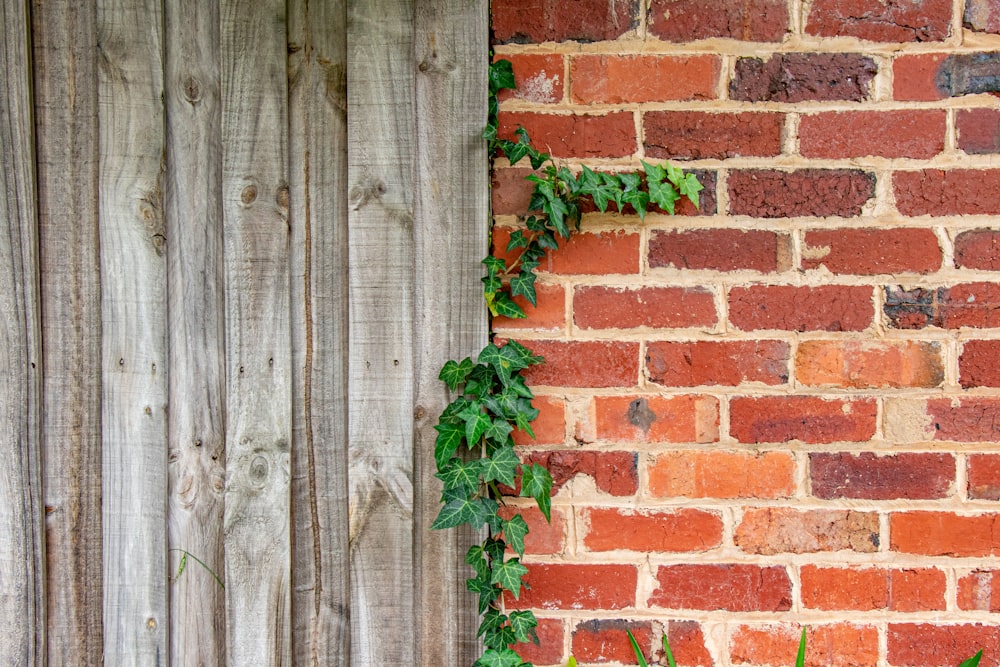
(944, 534)
(722, 474)
(772, 530)
(970, 419)
(549, 650)
(539, 76)
(689, 20)
(687, 644)
(914, 133)
(563, 136)
(806, 418)
(982, 16)
(657, 418)
(872, 251)
(953, 192)
(584, 364)
(916, 590)
(578, 586)
(803, 77)
(879, 21)
(585, 253)
(984, 476)
(544, 537)
(614, 473)
(511, 193)
(548, 313)
(659, 307)
(611, 79)
(872, 477)
(862, 364)
(720, 250)
(535, 21)
(978, 130)
(694, 363)
(979, 591)
(806, 192)
(700, 135)
(978, 249)
(977, 365)
(838, 588)
(728, 586)
(550, 425)
(651, 531)
(931, 645)
(967, 305)
(602, 640)
(914, 77)
(792, 308)
(836, 645)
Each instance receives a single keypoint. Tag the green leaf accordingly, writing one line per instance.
(461, 475)
(523, 284)
(502, 466)
(492, 629)
(517, 240)
(476, 423)
(514, 530)
(494, 265)
(491, 285)
(504, 306)
(654, 173)
(523, 623)
(973, 661)
(497, 432)
(499, 658)
(572, 662)
(634, 194)
(670, 654)
(690, 187)
(476, 557)
(448, 441)
(514, 151)
(536, 482)
(488, 593)
(800, 658)
(508, 575)
(459, 510)
(454, 373)
(635, 648)
(501, 76)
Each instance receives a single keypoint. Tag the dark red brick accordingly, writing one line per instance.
(584, 364)
(978, 249)
(806, 192)
(978, 130)
(872, 251)
(970, 419)
(979, 364)
(540, 77)
(602, 640)
(982, 16)
(690, 20)
(913, 133)
(984, 476)
(803, 77)
(729, 363)
(591, 136)
(792, 308)
(914, 77)
(720, 250)
(868, 476)
(614, 473)
(932, 644)
(806, 418)
(879, 21)
(615, 79)
(728, 586)
(699, 135)
(968, 305)
(511, 192)
(535, 21)
(578, 586)
(549, 649)
(953, 192)
(660, 307)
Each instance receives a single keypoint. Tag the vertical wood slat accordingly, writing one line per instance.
(64, 42)
(134, 332)
(258, 339)
(318, 183)
(380, 417)
(22, 564)
(451, 227)
(193, 208)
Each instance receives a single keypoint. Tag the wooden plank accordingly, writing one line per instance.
(64, 41)
(193, 206)
(22, 558)
(258, 340)
(380, 411)
(451, 222)
(134, 332)
(317, 67)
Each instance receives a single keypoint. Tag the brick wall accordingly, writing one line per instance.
(782, 409)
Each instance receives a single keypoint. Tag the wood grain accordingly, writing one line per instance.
(22, 561)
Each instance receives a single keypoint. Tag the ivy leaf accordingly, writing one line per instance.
(498, 431)
(502, 466)
(476, 557)
(494, 548)
(479, 384)
(487, 591)
(517, 240)
(454, 373)
(492, 621)
(499, 635)
(634, 194)
(524, 285)
(504, 306)
(459, 510)
(491, 285)
(515, 151)
(461, 475)
(661, 192)
(514, 531)
(448, 441)
(690, 187)
(508, 575)
(476, 422)
(501, 76)
(499, 658)
(494, 265)
(536, 482)
(523, 623)
(598, 189)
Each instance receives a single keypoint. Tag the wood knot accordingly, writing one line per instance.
(248, 195)
(281, 197)
(192, 90)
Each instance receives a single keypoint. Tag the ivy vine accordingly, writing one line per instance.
(474, 451)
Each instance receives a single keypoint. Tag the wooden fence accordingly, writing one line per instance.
(241, 239)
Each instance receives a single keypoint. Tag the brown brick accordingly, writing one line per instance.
(803, 77)
(722, 474)
(539, 76)
(615, 528)
(978, 364)
(931, 644)
(869, 364)
(792, 308)
(773, 530)
(720, 250)
(982, 16)
(871, 477)
(806, 192)
(970, 419)
(978, 249)
(614, 473)
(806, 418)
(578, 586)
(877, 21)
(984, 476)
(591, 136)
(944, 534)
(872, 251)
(699, 135)
(914, 77)
(603, 640)
(536, 21)
(690, 20)
(835, 645)
(728, 586)
(690, 364)
(978, 130)
(979, 591)
(914, 133)
(657, 418)
(511, 192)
(953, 192)
(584, 364)
(843, 588)
(612, 79)
(659, 307)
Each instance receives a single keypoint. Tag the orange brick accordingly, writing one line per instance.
(916, 590)
(944, 534)
(837, 645)
(979, 591)
(869, 364)
(837, 588)
(610, 79)
(544, 537)
(914, 77)
(548, 313)
(665, 532)
(657, 418)
(550, 425)
(539, 77)
(728, 474)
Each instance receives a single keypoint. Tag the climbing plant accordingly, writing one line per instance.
(474, 451)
